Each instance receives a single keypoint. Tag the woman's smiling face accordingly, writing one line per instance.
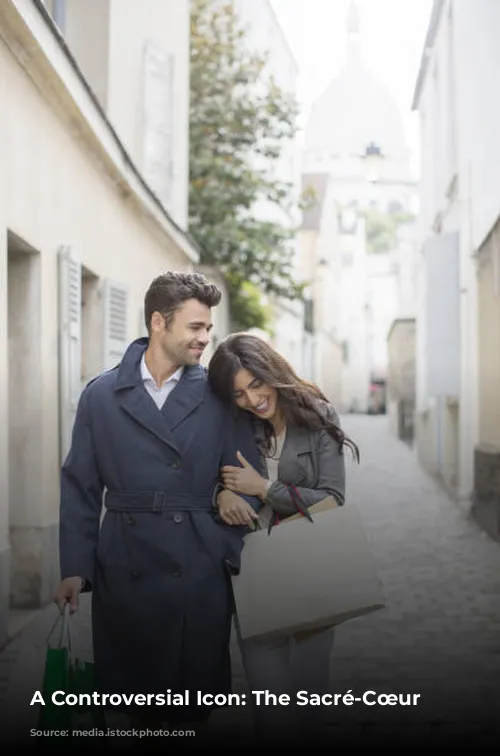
(253, 395)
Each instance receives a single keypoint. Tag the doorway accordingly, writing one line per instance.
(24, 428)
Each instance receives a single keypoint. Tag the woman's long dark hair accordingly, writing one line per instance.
(301, 402)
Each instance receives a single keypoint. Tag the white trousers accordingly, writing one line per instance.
(285, 665)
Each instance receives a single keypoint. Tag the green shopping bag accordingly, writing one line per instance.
(65, 672)
(56, 677)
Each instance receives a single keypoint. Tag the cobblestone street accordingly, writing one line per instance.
(439, 636)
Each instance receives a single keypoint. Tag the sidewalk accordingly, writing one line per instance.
(22, 668)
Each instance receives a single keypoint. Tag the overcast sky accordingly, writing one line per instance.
(393, 33)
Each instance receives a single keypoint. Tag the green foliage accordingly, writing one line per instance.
(382, 228)
(246, 306)
(240, 123)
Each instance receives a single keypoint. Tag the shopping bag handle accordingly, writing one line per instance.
(67, 628)
(66, 637)
(299, 503)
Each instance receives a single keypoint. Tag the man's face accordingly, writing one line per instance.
(187, 335)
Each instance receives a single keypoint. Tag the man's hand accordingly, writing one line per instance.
(244, 479)
(235, 511)
(68, 593)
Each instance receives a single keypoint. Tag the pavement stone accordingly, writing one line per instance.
(439, 635)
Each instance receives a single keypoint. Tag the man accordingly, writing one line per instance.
(149, 440)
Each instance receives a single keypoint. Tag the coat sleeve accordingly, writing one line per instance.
(331, 480)
(238, 436)
(81, 501)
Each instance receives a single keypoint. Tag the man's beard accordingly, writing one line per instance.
(185, 355)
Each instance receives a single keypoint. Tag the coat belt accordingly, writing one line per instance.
(155, 501)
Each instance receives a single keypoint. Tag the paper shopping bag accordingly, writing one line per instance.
(306, 574)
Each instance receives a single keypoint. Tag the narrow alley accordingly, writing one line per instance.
(438, 637)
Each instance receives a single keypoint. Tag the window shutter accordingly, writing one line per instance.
(115, 323)
(158, 120)
(70, 344)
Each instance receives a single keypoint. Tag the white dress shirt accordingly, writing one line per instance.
(159, 395)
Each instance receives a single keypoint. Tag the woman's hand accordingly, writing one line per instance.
(245, 479)
(234, 510)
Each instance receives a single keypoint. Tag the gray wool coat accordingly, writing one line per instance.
(157, 566)
(311, 460)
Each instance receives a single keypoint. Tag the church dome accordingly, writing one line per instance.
(355, 111)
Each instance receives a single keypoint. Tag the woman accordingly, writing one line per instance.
(301, 445)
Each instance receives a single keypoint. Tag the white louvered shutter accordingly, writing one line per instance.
(70, 344)
(115, 323)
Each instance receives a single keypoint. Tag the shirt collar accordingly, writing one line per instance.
(146, 373)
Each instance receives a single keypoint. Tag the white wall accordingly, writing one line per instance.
(478, 114)
(405, 260)
(382, 294)
(460, 123)
(442, 304)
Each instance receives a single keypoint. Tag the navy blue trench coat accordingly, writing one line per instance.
(157, 566)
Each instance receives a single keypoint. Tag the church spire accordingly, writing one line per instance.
(353, 20)
(353, 29)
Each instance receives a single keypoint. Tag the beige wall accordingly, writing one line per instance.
(438, 441)
(166, 22)
(58, 186)
(87, 34)
(400, 372)
(425, 437)
(4, 394)
(330, 370)
(108, 38)
(54, 194)
(401, 361)
(489, 340)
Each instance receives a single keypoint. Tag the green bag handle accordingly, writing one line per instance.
(65, 638)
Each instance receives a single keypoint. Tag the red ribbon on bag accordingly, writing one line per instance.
(299, 502)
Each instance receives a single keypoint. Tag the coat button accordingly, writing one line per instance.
(131, 520)
(175, 464)
(134, 575)
(177, 572)
(177, 518)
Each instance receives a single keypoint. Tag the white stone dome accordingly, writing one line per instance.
(355, 111)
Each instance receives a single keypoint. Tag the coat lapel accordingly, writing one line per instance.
(185, 397)
(297, 442)
(136, 402)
